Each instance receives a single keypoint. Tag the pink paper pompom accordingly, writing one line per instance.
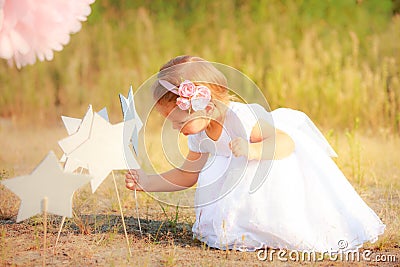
(31, 30)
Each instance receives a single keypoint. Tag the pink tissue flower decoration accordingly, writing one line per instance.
(31, 29)
(187, 89)
(183, 103)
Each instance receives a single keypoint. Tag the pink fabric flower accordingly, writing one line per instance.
(190, 95)
(203, 91)
(187, 89)
(201, 98)
(183, 103)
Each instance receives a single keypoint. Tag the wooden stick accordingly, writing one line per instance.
(44, 209)
(122, 215)
(136, 201)
(62, 223)
(137, 214)
(59, 233)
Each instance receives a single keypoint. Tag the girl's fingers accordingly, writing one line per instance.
(233, 144)
(237, 147)
(130, 185)
(132, 172)
(131, 179)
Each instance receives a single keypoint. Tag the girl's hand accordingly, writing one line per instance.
(134, 179)
(239, 147)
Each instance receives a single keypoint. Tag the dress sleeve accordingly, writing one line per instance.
(194, 143)
(248, 116)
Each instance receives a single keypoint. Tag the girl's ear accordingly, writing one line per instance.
(209, 108)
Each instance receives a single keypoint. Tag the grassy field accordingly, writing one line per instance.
(95, 235)
(338, 61)
(328, 58)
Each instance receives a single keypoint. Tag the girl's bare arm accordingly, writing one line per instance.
(266, 143)
(173, 180)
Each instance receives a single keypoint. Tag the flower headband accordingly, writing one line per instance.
(190, 95)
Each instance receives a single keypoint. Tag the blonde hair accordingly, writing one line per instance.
(195, 69)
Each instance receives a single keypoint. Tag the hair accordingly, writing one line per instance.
(195, 69)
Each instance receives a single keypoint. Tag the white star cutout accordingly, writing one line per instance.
(101, 146)
(72, 125)
(129, 112)
(47, 180)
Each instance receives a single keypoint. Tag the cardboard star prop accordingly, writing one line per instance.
(72, 125)
(105, 149)
(80, 136)
(129, 113)
(81, 130)
(47, 180)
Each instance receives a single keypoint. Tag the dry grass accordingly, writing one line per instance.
(95, 235)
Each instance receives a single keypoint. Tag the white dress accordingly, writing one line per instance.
(302, 202)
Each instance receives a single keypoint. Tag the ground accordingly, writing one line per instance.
(95, 236)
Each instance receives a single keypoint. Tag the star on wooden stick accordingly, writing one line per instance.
(72, 126)
(105, 149)
(129, 112)
(49, 181)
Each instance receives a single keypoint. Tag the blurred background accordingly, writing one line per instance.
(336, 60)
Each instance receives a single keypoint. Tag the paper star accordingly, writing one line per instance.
(81, 135)
(106, 148)
(47, 180)
(72, 125)
(129, 113)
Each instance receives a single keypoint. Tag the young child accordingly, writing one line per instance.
(264, 179)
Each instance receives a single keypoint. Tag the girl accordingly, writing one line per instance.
(263, 178)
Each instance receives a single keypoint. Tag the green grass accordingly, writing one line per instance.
(327, 58)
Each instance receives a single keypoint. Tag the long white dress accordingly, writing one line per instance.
(302, 202)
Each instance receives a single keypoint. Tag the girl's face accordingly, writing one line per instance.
(183, 121)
